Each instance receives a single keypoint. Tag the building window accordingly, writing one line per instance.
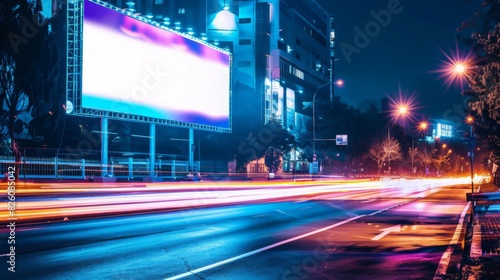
(299, 74)
(296, 72)
(181, 11)
(245, 41)
(245, 20)
(446, 130)
(281, 46)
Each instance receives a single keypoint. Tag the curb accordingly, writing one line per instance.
(476, 250)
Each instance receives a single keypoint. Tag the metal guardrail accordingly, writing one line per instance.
(55, 168)
(486, 196)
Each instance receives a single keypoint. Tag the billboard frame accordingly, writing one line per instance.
(74, 65)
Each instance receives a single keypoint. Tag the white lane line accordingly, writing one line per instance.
(286, 214)
(193, 272)
(260, 215)
(445, 259)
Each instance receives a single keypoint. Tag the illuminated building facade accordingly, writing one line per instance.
(447, 131)
(283, 50)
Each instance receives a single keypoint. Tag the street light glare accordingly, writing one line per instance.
(403, 110)
(456, 68)
(423, 125)
(460, 68)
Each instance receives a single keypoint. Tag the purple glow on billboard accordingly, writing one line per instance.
(136, 68)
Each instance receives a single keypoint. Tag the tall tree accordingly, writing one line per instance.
(440, 159)
(484, 75)
(29, 64)
(412, 153)
(377, 153)
(270, 140)
(385, 149)
(425, 157)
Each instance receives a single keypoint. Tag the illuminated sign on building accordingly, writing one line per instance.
(444, 130)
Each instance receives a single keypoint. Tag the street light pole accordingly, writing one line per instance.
(401, 110)
(388, 149)
(472, 144)
(412, 153)
(339, 83)
(314, 114)
(423, 129)
(463, 70)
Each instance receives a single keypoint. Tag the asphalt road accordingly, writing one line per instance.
(386, 233)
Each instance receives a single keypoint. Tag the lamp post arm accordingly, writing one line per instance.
(313, 106)
(314, 113)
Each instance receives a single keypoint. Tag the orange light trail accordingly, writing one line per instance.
(170, 196)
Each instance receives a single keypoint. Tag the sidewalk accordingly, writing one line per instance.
(484, 261)
(489, 219)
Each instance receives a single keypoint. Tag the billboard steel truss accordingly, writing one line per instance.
(74, 60)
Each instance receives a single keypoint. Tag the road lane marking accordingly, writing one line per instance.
(258, 216)
(195, 271)
(445, 259)
(386, 231)
(286, 214)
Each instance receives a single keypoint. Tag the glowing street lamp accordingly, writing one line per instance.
(422, 127)
(338, 83)
(472, 145)
(401, 110)
(456, 68)
(460, 68)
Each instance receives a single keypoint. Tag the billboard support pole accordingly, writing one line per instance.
(191, 149)
(104, 146)
(152, 147)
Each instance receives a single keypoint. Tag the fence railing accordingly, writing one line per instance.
(128, 168)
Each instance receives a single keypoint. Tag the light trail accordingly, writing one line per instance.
(168, 196)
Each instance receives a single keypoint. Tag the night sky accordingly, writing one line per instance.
(402, 56)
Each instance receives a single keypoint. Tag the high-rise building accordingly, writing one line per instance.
(283, 51)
